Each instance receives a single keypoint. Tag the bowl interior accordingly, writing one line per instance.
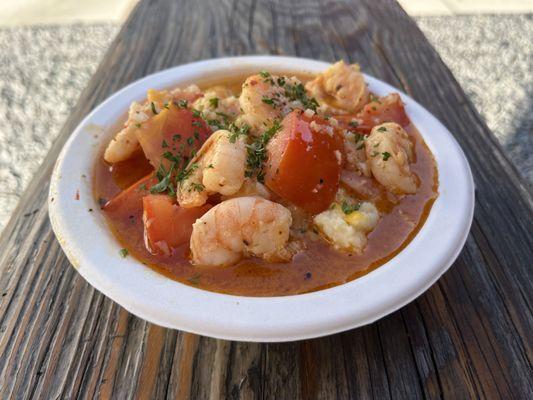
(94, 251)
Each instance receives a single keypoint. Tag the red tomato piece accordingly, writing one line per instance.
(129, 202)
(385, 109)
(304, 162)
(166, 224)
(174, 130)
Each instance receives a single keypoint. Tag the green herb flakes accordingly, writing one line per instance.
(213, 102)
(236, 131)
(154, 110)
(196, 187)
(268, 101)
(256, 153)
(349, 208)
(182, 103)
(195, 279)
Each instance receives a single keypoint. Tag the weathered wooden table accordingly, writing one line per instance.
(469, 336)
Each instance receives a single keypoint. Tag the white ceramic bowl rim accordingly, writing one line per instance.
(93, 250)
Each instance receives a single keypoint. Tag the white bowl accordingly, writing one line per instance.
(94, 252)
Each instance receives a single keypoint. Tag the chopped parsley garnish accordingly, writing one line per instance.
(297, 93)
(349, 208)
(236, 131)
(196, 113)
(382, 129)
(124, 253)
(164, 144)
(164, 177)
(197, 187)
(257, 153)
(268, 101)
(190, 141)
(386, 155)
(281, 81)
(197, 123)
(223, 115)
(195, 279)
(353, 124)
(216, 123)
(375, 98)
(358, 137)
(267, 77)
(176, 137)
(185, 173)
(182, 103)
(171, 157)
(213, 102)
(154, 110)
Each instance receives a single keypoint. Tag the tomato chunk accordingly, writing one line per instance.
(175, 131)
(385, 109)
(129, 202)
(166, 224)
(304, 162)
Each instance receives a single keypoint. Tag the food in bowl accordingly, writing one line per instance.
(269, 184)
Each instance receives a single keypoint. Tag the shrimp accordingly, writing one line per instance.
(241, 227)
(251, 187)
(389, 151)
(218, 167)
(125, 142)
(340, 89)
(265, 98)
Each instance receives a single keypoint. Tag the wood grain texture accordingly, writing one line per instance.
(469, 336)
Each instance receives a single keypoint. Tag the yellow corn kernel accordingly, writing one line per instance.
(355, 218)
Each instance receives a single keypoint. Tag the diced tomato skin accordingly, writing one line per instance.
(303, 165)
(166, 224)
(130, 201)
(389, 108)
(174, 130)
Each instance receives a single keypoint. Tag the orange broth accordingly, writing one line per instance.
(318, 267)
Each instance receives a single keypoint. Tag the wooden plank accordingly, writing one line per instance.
(469, 336)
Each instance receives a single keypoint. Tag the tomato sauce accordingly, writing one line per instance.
(318, 267)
